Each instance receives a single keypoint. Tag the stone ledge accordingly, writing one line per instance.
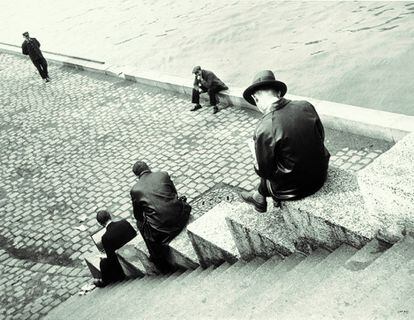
(211, 238)
(259, 234)
(136, 253)
(182, 252)
(334, 215)
(367, 122)
(387, 185)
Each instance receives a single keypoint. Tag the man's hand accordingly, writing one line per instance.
(200, 90)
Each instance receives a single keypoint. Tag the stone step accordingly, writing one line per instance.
(225, 287)
(318, 221)
(195, 292)
(387, 188)
(403, 309)
(193, 285)
(122, 291)
(93, 263)
(183, 254)
(260, 234)
(220, 288)
(248, 299)
(211, 237)
(207, 289)
(388, 293)
(301, 289)
(166, 294)
(350, 286)
(87, 310)
(100, 296)
(112, 310)
(81, 305)
(136, 254)
(225, 306)
(131, 270)
(296, 275)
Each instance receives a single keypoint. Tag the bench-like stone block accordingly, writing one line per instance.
(387, 185)
(259, 234)
(182, 252)
(334, 215)
(211, 237)
(93, 261)
(136, 253)
(130, 262)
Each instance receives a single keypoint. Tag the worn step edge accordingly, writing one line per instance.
(336, 259)
(347, 288)
(249, 297)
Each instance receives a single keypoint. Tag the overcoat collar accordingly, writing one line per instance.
(279, 104)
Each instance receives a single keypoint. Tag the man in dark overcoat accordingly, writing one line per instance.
(117, 234)
(31, 47)
(161, 215)
(291, 158)
(206, 81)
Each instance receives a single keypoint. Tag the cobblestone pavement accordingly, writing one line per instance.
(67, 149)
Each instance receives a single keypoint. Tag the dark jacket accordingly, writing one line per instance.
(32, 48)
(156, 204)
(117, 234)
(209, 80)
(290, 149)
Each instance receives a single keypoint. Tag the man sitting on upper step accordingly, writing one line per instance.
(206, 81)
(291, 158)
(161, 215)
(117, 234)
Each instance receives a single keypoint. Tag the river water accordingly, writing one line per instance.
(358, 53)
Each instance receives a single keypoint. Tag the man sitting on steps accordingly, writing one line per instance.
(292, 160)
(161, 215)
(117, 234)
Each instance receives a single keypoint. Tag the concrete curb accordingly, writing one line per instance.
(367, 122)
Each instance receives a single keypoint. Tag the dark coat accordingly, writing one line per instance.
(156, 205)
(32, 48)
(290, 149)
(209, 80)
(117, 234)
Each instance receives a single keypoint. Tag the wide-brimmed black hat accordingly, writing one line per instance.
(266, 79)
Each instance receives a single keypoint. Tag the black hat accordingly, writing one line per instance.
(25, 34)
(267, 79)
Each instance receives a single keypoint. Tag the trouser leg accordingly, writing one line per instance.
(262, 188)
(159, 254)
(111, 270)
(43, 64)
(195, 97)
(212, 95)
(39, 67)
(158, 248)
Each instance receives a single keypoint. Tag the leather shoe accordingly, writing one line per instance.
(99, 283)
(258, 206)
(215, 109)
(196, 107)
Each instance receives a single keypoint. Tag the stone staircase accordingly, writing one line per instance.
(375, 282)
(315, 258)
